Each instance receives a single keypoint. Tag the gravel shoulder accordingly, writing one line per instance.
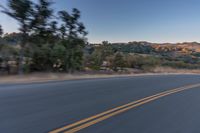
(47, 77)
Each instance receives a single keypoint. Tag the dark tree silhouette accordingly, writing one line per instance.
(1, 31)
(73, 27)
(41, 16)
(73, 34)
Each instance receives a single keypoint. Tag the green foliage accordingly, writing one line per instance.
(12, 38)
(95, 60)
(45, 44)
(74, 57)
(149, 63)
(71, 26)
(97, 55)
(134, 47)
(21, 10)
(41, 58)
(142, 62)
(118, 62)
(180, 64)
(59, 57)
(7, 52)
(42, 13)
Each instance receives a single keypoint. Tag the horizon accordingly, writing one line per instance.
(131, 41)
(151, 42)
(172, 21)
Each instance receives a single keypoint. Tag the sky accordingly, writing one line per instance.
(131, 20)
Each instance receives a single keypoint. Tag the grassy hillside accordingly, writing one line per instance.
(145, 55)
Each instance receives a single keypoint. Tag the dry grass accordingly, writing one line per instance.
(173, 70)
(44, 77)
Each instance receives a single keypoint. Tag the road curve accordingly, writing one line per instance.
(173, 105)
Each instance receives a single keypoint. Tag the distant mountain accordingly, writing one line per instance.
(183, 48)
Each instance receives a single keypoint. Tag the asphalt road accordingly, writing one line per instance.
(44, 107)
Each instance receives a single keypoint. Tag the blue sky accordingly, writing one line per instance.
(132, 20)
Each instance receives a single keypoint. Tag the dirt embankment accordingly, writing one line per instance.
(44, 77)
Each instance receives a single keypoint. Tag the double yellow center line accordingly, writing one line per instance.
(77, 126)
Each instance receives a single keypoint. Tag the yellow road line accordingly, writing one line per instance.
(101, 114)
(107, 114)
(110, 115)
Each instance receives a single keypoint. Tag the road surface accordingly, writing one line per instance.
(53, 106)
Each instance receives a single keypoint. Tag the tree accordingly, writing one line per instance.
(95, 60)
(1, 31)
(41, 16)
(105, 43)
(118, 61)
(63, 31)
(47, 44)
(59, 56)
(20, 10)
(73, 28)
(73, 38)
(43, 36)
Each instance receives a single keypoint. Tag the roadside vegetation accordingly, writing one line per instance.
(142, 56)
(47, 40)
(50, 41)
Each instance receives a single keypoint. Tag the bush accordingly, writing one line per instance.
(176, 64)
(142, 62)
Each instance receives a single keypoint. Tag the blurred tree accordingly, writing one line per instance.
(20, 10)
(1, 31)
(1, 34)
(42, 13)
(44, 43)
(73, 27)
(13, 38)
(63, 31)
(73, 38)
(105, 43)
(59, 57)
(43, 36)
